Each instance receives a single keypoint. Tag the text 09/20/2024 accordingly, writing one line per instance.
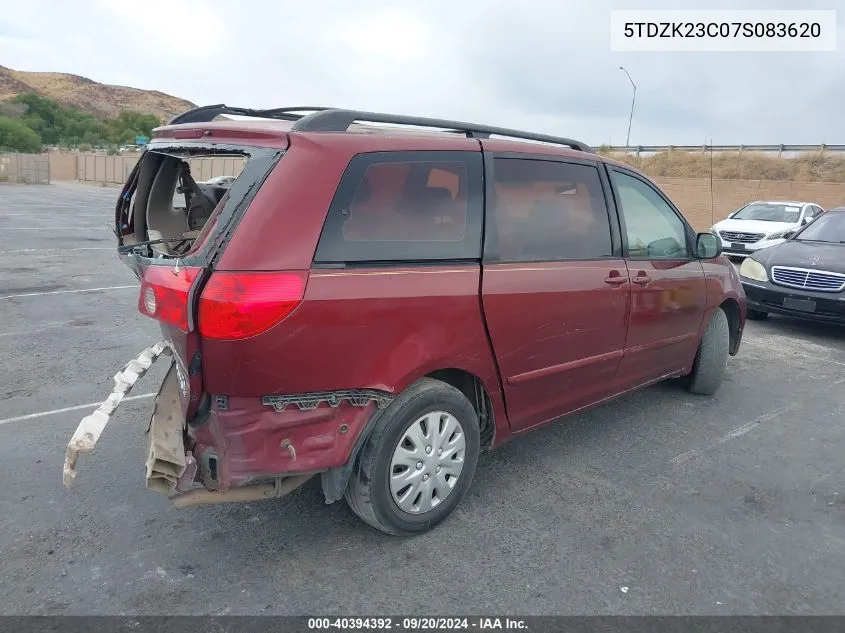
(416, 624)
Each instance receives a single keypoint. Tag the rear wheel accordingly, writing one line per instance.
(418, 462)
(756, 315)
(708, 369)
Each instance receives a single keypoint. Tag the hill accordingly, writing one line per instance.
(101, 100)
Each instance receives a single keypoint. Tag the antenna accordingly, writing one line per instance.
(712, 212)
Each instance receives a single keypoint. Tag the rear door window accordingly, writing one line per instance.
(546, 210)
(406, 206)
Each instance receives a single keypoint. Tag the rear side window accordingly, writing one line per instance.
(548, 210)
(405, 206)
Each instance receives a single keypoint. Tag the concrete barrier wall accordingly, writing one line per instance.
(62, 166)
(691, 195)
(103, 169)
(100, 168)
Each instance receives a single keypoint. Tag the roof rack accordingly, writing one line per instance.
(321, 119)
(204, 114)
(336, 120)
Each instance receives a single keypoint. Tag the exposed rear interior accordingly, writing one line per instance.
(175, 195)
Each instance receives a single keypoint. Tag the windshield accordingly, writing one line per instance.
(829, 227)
(769, 213)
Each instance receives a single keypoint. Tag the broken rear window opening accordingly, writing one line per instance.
(176, 197)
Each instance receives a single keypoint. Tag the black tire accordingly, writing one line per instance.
(708, 369)
(368, 493)
(756, 315)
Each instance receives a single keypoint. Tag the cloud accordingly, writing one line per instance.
(545, 65)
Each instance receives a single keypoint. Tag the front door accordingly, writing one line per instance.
(668, 293)
(555, 288)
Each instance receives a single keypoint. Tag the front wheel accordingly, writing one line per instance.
(418, 462)
(708, 369)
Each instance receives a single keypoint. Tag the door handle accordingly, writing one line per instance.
(641, 279)
(615, 280)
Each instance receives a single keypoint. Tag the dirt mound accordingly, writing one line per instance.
(101, 100)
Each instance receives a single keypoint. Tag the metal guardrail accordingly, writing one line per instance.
(774, 149)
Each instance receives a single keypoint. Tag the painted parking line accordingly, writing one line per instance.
(61, 292)
(733, 434)
(60, 250)
(90, 405)
(826, 360)
(741, 430)
(47, 326)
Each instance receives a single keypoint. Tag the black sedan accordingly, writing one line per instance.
(803, 276)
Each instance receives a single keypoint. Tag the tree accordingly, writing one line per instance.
(56, 124)
(18, 137)
(128, 125)
(92, 139)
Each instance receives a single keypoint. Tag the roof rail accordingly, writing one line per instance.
(321, 119)
(337, 120)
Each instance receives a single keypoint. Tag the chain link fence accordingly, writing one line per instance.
(30, 169)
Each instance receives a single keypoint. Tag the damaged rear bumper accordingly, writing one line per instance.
(89, 430)
(168, 466)
(249, 450)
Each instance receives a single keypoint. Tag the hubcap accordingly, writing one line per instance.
(427, 462)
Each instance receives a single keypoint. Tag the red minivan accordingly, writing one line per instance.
(376, 298)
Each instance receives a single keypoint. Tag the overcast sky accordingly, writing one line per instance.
(539, 64)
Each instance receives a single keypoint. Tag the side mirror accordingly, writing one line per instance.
(707, 246)
(805, 220)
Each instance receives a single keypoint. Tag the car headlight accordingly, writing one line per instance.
(752, 269)
(779, 235)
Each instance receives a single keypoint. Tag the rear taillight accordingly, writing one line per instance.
(164, 294)
(237, 305)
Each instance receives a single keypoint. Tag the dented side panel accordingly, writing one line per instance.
(250, 440)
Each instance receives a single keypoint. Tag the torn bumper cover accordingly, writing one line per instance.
(270, 451)
(89, 430)
(167, 461)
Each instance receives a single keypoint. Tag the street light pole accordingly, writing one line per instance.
(633, 99)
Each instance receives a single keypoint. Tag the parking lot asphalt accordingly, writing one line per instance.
(659, 502)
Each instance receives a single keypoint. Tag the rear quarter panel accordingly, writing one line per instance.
(375, 329)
